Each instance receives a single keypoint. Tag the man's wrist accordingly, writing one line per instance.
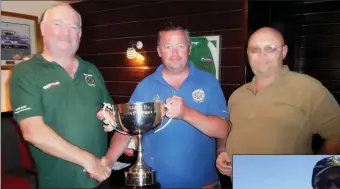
(110, 158)
(220, 151)
(187, 114)
(85, 158)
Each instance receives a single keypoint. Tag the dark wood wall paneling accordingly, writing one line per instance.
(312, 33)
(318, 42)
(279, 15)
(108, 27)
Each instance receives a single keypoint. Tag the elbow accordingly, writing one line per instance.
(222, 134)
(219, 133)
(28, 136)
(33, 130)
(222, 131)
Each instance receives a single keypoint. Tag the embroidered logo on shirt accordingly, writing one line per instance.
(198, 95)
(21, 109)
(51, 85)
(206, 59)
(89, 80)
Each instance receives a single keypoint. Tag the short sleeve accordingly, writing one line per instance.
(137, 94)
(217, 103)
(106, 95)
(25, 96)
(325, 114)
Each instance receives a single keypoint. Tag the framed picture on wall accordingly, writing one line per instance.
(205, 53)
(19, 38)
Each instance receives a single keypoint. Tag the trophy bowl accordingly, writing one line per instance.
(136, 119)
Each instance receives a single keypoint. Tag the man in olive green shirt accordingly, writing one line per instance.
(55, 97)
(279, 110)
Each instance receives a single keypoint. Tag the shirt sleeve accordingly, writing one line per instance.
(325, 114)
(137, 94)
(106, 95)
(25, 96)
(217, 103)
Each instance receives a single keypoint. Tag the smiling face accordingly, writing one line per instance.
(266, 51)
(174, 50)
(61, 30)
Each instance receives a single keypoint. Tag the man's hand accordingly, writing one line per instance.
(98, 169)
(108, 119)
(223, 164)
(175, 107)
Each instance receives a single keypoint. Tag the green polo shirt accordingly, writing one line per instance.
(69, 107)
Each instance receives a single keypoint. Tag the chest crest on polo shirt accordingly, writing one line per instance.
(89, 80)
(198, 95)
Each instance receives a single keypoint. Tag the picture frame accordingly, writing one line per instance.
(206, 53)
(20, 38)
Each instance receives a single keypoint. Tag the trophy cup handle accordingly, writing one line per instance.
(163, 126)
(110, 107)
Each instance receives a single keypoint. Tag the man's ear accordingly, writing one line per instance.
(80, 33)
(159, 51)
(284, 51)
(42, 28)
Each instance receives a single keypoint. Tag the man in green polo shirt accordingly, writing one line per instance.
(55, 97)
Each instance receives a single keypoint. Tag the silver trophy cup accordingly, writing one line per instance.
(136, 119)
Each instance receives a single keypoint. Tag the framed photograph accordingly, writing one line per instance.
(19, 38)
(205, 53)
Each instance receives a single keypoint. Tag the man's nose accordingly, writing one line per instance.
(64, 30)
(174, 51)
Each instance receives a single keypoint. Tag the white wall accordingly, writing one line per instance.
(35, 8)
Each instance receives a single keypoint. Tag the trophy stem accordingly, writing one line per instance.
(140, 174)
(139, 162)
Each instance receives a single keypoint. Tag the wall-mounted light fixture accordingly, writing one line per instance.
(131, 52)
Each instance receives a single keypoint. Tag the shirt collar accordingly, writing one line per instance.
(284, 70)
(41, 59)
(159, 77)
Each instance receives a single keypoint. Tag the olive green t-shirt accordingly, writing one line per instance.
(67, 105)
(282, 117)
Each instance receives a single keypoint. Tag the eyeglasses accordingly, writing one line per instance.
(326, 183)
(266, 49)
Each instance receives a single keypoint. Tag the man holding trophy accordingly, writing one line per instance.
(180, 147)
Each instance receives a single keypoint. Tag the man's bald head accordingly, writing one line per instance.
(266, 51)
(267, 34)
(61, 30)
(55, 9)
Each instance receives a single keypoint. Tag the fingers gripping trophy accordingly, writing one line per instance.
(136, 119)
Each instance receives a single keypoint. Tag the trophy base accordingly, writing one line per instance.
(156, 185)
(140, 178)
